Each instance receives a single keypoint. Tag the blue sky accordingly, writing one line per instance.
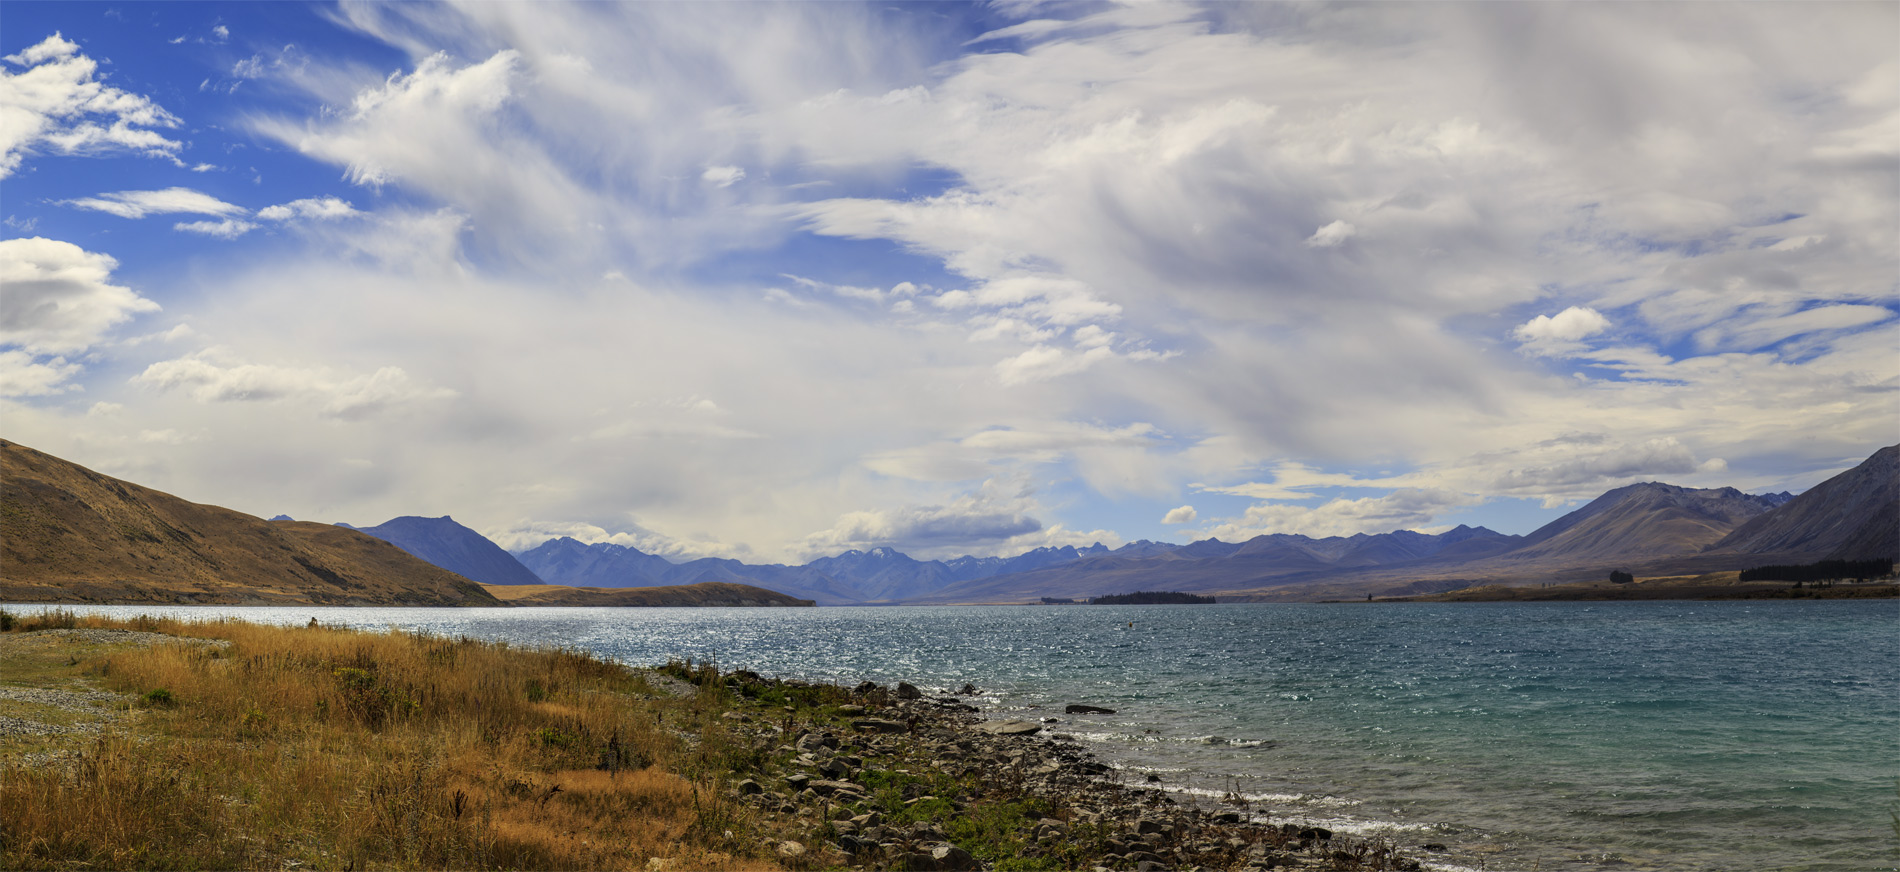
(777, 280)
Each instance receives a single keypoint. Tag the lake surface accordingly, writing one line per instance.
(1548, 736)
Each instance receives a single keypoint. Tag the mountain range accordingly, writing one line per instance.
(1650, 527)
(71, 534)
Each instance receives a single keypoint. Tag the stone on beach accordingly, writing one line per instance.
(1010, 728)
(1087, 710)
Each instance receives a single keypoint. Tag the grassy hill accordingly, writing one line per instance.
(72, 535)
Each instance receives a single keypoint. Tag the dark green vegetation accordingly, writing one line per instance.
(1618, 576)
(1826, 570)
(1152, 598)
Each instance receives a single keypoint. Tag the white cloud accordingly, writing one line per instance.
(1138, 183)
(56, 104)
(229, 228)
(1331, 235)
(976, 522)
(1405, 509)
(209, 378)
(138, 204)
(1751, 330)
(59, 297)
(320, 208)
(1180, 515)
(24, 375)
(1547, 335)
(723, 176)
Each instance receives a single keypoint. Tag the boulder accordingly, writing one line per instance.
(951, 857)
(1087, 710)
(906, 690)
(1010, 728)
(749, 787)
(791, 850)
(827, 787)
(879, 725)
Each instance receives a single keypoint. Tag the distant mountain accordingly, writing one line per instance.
(711, 594)
(877, 575)
(1642, 521)
(1852, 516)
(1213, 565)
(68, 534)
(453, 547)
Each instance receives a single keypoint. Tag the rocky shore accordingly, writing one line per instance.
(892, 778)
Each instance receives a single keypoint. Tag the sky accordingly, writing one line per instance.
(774, 281)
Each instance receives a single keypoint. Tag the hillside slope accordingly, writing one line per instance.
(453, 547)
(1853, 516)
(74, 535)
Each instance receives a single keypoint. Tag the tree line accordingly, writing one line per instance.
(1859, 570)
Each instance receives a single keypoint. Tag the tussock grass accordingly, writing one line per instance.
(329, 748)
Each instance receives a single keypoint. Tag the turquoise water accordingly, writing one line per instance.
(1550, 736)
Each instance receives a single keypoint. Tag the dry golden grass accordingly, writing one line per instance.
(325, 748)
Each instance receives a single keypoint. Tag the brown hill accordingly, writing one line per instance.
(71, 535)
(708, 594)
(1641, 521)
(1852, 516)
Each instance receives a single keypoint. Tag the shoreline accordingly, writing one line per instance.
(292, 747)
(1091, 815)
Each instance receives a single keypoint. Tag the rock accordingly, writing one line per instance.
(1010, 728)
(827, 787)
(1150, 866)
(1153, 778)
(866, 687)
(906, 690)
(749, 787)
(1087, 710)
(914, 862)
(1150, 827)
(1227, 817)
(797, 780)
(1317, 834)
(791, 850)
(870, 819)
(1436, 848)
(661, 864)
(967, 690)
(850, 710)
(879, 725)
(951, 857)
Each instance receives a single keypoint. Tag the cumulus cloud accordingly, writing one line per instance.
(975, 522)
(319, 208)
(1596, 470)
(210, 378)
(138, 204)
(1404, 509)
(59, 297)
(1547, 335)
(56, 104)
(25, 375)
(1181, 515)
